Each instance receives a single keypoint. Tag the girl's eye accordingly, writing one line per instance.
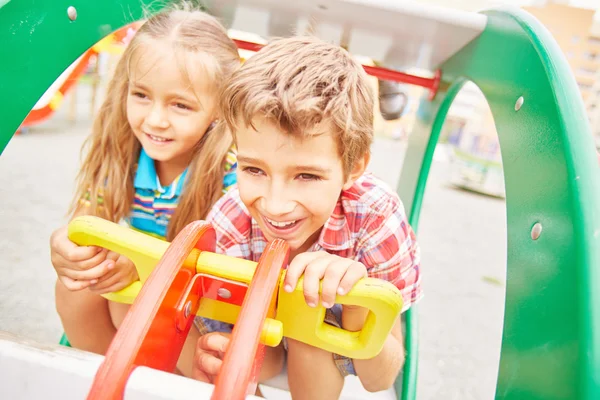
(139, 95)
(182, 106)
(309, 177)
(253, 170)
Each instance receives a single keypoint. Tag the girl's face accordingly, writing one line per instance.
(170, 104)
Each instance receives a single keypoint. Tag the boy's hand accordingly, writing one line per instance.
(77, 267)
(339, 276)
(121, 274)
(208, 356)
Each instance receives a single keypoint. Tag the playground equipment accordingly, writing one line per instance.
(551, 335)
(52, 98)
(190, 279)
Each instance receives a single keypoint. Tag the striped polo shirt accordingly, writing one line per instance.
(154, 204)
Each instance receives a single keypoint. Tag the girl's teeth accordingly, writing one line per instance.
(158, 139)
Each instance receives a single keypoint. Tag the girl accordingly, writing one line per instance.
(158, 158)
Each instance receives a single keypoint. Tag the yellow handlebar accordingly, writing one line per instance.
(294, 318)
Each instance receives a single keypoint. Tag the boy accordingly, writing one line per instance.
(301, 112)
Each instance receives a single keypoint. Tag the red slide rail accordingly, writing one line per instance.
(156, 326)
(432, 84)
(245, 354)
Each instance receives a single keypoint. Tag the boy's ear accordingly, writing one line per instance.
(359, 168)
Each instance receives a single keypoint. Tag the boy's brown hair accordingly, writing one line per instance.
(300, 82)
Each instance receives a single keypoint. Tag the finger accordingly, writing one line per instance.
(123, 274)
(110, 282)
(60, 262)
(314, 272)
(214, 341)
(125, 264)
(331, 281)
(72, 252)
(94, 273)
(296, 269)
(92, 262)
(198, 374)
(208, 364)
(72, 284)
(112, 255)
(355, 273)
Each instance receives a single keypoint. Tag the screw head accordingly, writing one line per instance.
(188, 309)
(72, 13)
(536, 231)
(519, 103)
(223, 293)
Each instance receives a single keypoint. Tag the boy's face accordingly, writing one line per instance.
(289, 185)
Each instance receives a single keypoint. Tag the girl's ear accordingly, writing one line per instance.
(359, 168)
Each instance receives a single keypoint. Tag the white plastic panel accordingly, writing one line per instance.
(33, 371)
(399, 34)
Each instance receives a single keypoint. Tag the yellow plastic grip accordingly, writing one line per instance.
(293, 319)
(145, 252)
(307, 324)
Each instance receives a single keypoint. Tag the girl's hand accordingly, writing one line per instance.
(77, 267)
(121, 274)
(208, 356)
(339, 276)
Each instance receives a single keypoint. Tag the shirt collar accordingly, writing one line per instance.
(336, 235)
(146, 178)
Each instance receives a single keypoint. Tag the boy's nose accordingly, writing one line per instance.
(278, 205)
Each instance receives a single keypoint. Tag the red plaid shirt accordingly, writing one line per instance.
(368, 225)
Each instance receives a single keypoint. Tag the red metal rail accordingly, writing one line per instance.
(432, 84)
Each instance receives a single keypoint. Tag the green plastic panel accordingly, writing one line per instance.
(38, 42)
(551, 337)
(411, 189)
(551, 332)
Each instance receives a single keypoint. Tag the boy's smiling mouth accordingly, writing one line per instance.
(279, 224)
(282, 227)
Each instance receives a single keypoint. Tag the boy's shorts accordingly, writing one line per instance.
(333, 316)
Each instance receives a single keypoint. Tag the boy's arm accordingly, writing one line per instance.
(389, 251)
(380, 372)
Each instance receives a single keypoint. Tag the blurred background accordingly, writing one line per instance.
(462, 231)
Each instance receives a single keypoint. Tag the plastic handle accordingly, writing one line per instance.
(307, 324)
(143, 250)
(146, 251)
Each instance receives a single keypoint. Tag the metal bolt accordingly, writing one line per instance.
(72, 13)
(519, 103)
(188, 309)
(224, 293)
(536, 231)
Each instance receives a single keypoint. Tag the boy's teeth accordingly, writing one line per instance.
(281, 224)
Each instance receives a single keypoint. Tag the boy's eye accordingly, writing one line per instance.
(253, 170)
(309, 177)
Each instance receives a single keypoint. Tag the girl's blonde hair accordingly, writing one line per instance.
(107, 174)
